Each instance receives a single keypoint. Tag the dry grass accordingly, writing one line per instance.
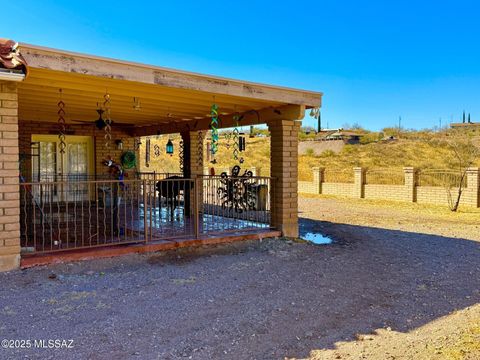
(420, 149)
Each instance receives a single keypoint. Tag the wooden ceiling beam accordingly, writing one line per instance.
(69, 62)
(263, 116)
(98, 85)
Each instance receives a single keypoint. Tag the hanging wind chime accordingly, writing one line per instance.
(108, 120)
(236, 118)
(61, 123)
(214, 128)
(147, 152)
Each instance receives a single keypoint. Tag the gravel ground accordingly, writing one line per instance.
(252, 300)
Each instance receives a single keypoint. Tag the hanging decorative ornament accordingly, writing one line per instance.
(61, 123)
(315, 113)
(200, 148)
(228, 137)
(136, 144)
(180, 156)
(214, 128)
(241, 142)
(236, 118)
(169, 147)
(147, 152)
(156, 150)
(136, 104)
(108, 120)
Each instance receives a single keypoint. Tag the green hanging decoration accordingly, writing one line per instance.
(235, 134)
(214, 128)
(128, 160)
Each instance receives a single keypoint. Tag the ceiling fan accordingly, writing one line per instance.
(100, 123)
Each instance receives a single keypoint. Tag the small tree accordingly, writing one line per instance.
(464, 153)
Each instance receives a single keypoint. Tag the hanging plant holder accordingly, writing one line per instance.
(61, 124)
(147, 152)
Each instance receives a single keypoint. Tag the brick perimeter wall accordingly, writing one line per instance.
(406, 193)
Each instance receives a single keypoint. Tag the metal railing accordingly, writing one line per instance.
(69, 215)
(66, 215)
(441, 177)
(385, 177)
(233, 203)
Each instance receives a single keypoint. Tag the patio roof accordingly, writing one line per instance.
(166, 96)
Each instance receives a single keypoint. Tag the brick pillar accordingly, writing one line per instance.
(359, 182)
(473, 186)
(284, 168)
(9, 171)
(318, 173)
(410, 183)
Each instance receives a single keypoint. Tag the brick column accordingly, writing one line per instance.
(410, 183)
(284, 168)
(359, 182)
(318, 173)
(473, 187)
(9, 171)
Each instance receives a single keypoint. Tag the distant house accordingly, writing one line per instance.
(466, 125)
(347, 136)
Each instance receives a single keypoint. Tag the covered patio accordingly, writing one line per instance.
(67, 198)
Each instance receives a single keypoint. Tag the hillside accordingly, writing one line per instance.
(419, 149)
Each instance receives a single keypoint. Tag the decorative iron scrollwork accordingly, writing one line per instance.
(237, 192)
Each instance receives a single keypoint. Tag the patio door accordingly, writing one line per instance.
(70, 169)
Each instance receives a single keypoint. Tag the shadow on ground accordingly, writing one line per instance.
(252, 300)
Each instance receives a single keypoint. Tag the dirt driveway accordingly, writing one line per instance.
(267, 300)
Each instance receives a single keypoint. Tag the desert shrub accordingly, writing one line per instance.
(328, 153)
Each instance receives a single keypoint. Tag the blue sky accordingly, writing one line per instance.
(374, 60)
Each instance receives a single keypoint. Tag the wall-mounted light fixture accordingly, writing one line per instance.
(169, 147)
(119, 144)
